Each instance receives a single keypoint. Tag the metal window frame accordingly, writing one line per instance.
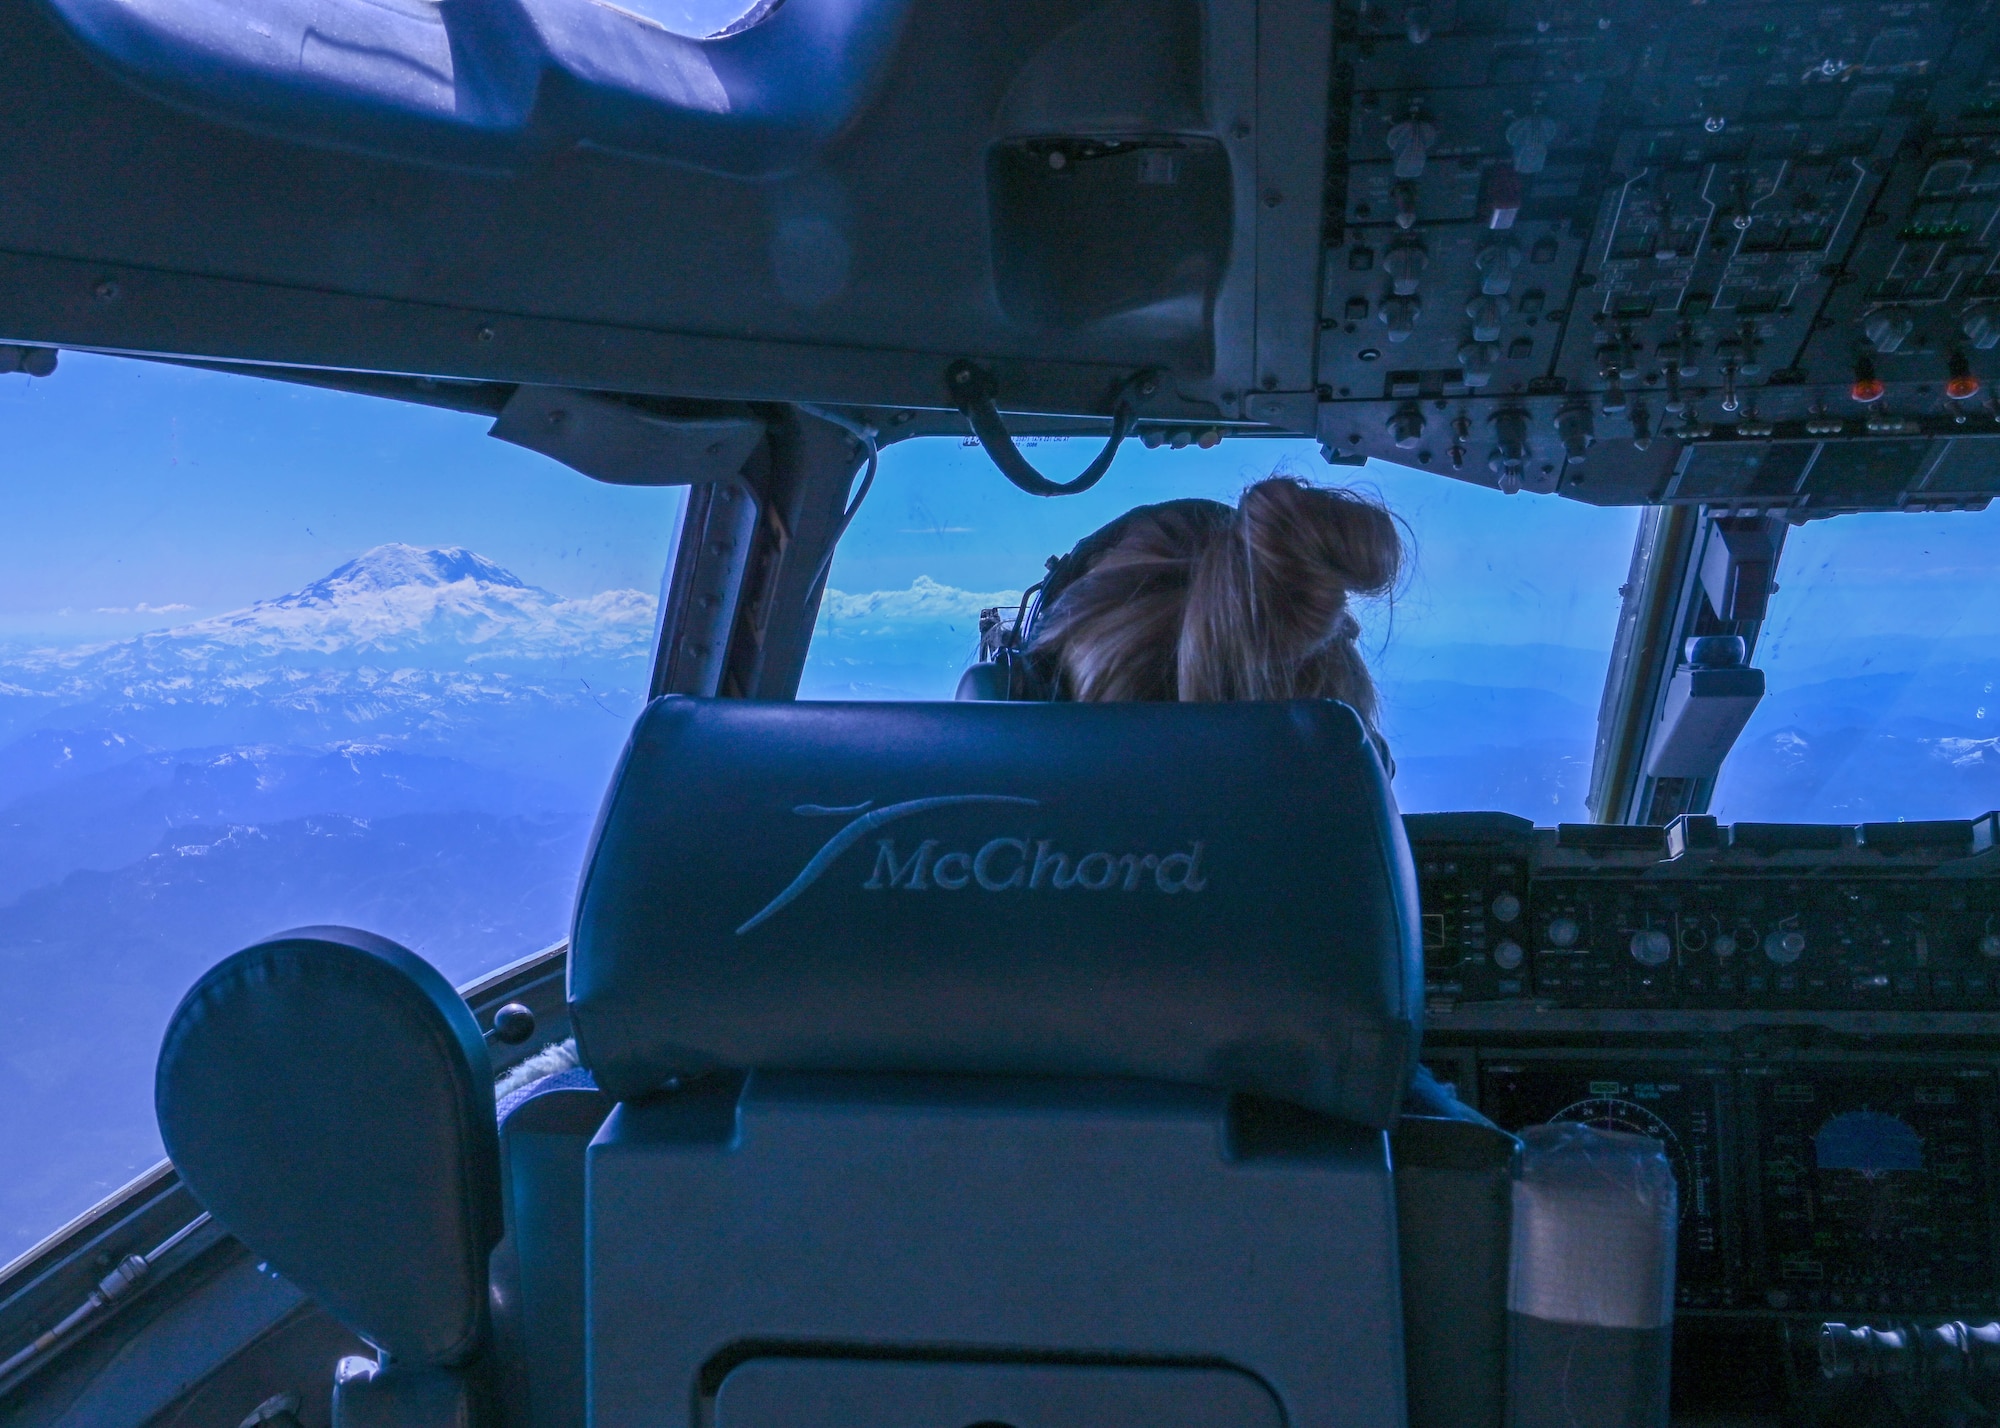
(1665, 605)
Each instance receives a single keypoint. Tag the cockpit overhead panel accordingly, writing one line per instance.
(1737, 255)
(1734, 256)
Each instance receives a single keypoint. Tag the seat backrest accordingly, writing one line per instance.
(1217, 895)
(327, 1096)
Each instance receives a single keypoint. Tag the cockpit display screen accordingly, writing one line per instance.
(1675, 1103)
(1871, 1187)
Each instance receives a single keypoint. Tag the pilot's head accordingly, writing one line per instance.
(1197, 600)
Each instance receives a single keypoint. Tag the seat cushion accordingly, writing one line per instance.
(327, 1096)
(1216, 894)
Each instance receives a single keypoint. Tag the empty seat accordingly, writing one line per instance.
(327, 1096)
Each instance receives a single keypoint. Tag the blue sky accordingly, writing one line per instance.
(130, 483)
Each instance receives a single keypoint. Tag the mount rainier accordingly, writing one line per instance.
(440, 649)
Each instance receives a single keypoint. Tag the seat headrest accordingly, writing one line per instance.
(1217, 894)
(327, 1096)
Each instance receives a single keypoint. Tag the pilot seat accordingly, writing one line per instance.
(942, 1065)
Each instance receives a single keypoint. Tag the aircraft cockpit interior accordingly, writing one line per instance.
(1063, 714)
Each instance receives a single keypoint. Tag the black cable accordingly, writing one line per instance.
(973, 390)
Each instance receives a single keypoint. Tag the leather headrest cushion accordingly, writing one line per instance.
(327, 1096)
(1215, 894)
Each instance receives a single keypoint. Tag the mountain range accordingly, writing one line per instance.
(415, 744)
(437, 651)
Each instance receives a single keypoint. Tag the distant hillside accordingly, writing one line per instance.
(415, 744)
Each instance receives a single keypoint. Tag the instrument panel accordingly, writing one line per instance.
(1809, 1027)
(1813, 1188)
(1739, 255)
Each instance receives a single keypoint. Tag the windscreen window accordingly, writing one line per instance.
(1881, 657)
(1491, 658)
(272, 656)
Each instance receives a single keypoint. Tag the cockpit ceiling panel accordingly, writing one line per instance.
(488, 86)
(1743, 253)
(1067, 190)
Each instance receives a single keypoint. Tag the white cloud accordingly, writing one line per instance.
(926, 599)
(142, 608)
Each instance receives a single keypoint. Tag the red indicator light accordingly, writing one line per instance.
(1960, 388)
(1867, 386)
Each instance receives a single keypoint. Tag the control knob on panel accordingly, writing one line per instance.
(1989, 945)
(1486, 313)
(1784, 948)
(1577, 430)
(1888, 328)
(1399, 315)
(1510, 431)
(1529, 138)
(1410, 141)
(1563, 932)
(1506, 907)
(1496, 263)
(1405, 263)
(1477, 359)
(1651, 947)
(1981, 327)
(1406, 427)
(1507, 955)
(1724, 945)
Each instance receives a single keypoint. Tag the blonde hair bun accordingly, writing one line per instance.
(1243, 604)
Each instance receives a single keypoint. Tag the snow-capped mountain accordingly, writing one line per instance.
(398, 642)
(435, 606)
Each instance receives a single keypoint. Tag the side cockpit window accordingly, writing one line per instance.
(272, 656)
(1882, 656)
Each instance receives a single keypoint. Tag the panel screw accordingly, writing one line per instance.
(485, 334)
(108, 291)
(1272, 198)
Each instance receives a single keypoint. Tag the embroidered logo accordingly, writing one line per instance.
(1000, 864)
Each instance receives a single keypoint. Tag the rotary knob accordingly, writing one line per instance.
(1563, 932)
(1487, 313)
(1981, 327)
(1784, 948)
(1725, 946)
(1399, 315)
(1888, 328)
(1405, 263)
(1507, 955)
(1989, 945)
(1496, 263)
(1651, 947)
(1506, 907)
